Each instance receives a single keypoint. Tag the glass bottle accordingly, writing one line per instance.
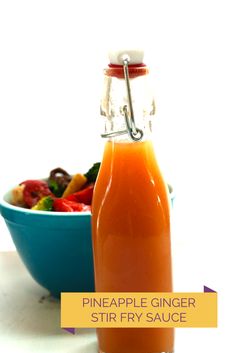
(130, 211)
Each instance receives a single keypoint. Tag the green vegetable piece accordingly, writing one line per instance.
(55, 188)
(45, 204)
(92, 174)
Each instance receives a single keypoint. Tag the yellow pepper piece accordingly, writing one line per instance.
(76, 183)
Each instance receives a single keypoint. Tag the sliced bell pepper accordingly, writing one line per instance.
(84, 196)
(76, 183)
(44, 204)
(63, 205)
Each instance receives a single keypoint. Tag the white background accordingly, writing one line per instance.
(52, 54)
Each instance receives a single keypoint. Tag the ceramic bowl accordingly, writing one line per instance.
(55, 247)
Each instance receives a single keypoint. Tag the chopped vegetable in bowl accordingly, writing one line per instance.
(60, 192)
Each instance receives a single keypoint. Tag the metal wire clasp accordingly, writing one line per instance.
(135, 133)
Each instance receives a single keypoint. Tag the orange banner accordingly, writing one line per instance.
(139, 309)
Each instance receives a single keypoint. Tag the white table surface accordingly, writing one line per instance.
(30, 324)
(30, 319)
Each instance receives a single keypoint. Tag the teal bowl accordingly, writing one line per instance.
(55, 247)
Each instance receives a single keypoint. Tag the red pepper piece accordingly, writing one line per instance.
(34, 190)
(85, 196)
(63, 205)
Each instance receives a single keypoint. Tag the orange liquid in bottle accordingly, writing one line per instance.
(131, 239)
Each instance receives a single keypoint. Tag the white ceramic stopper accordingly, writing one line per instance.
(135, 56)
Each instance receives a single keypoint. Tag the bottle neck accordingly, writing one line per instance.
(127, 111)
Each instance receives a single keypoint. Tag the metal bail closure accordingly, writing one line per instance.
(135, 133)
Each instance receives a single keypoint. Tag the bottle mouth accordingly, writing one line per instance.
(135, 70)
